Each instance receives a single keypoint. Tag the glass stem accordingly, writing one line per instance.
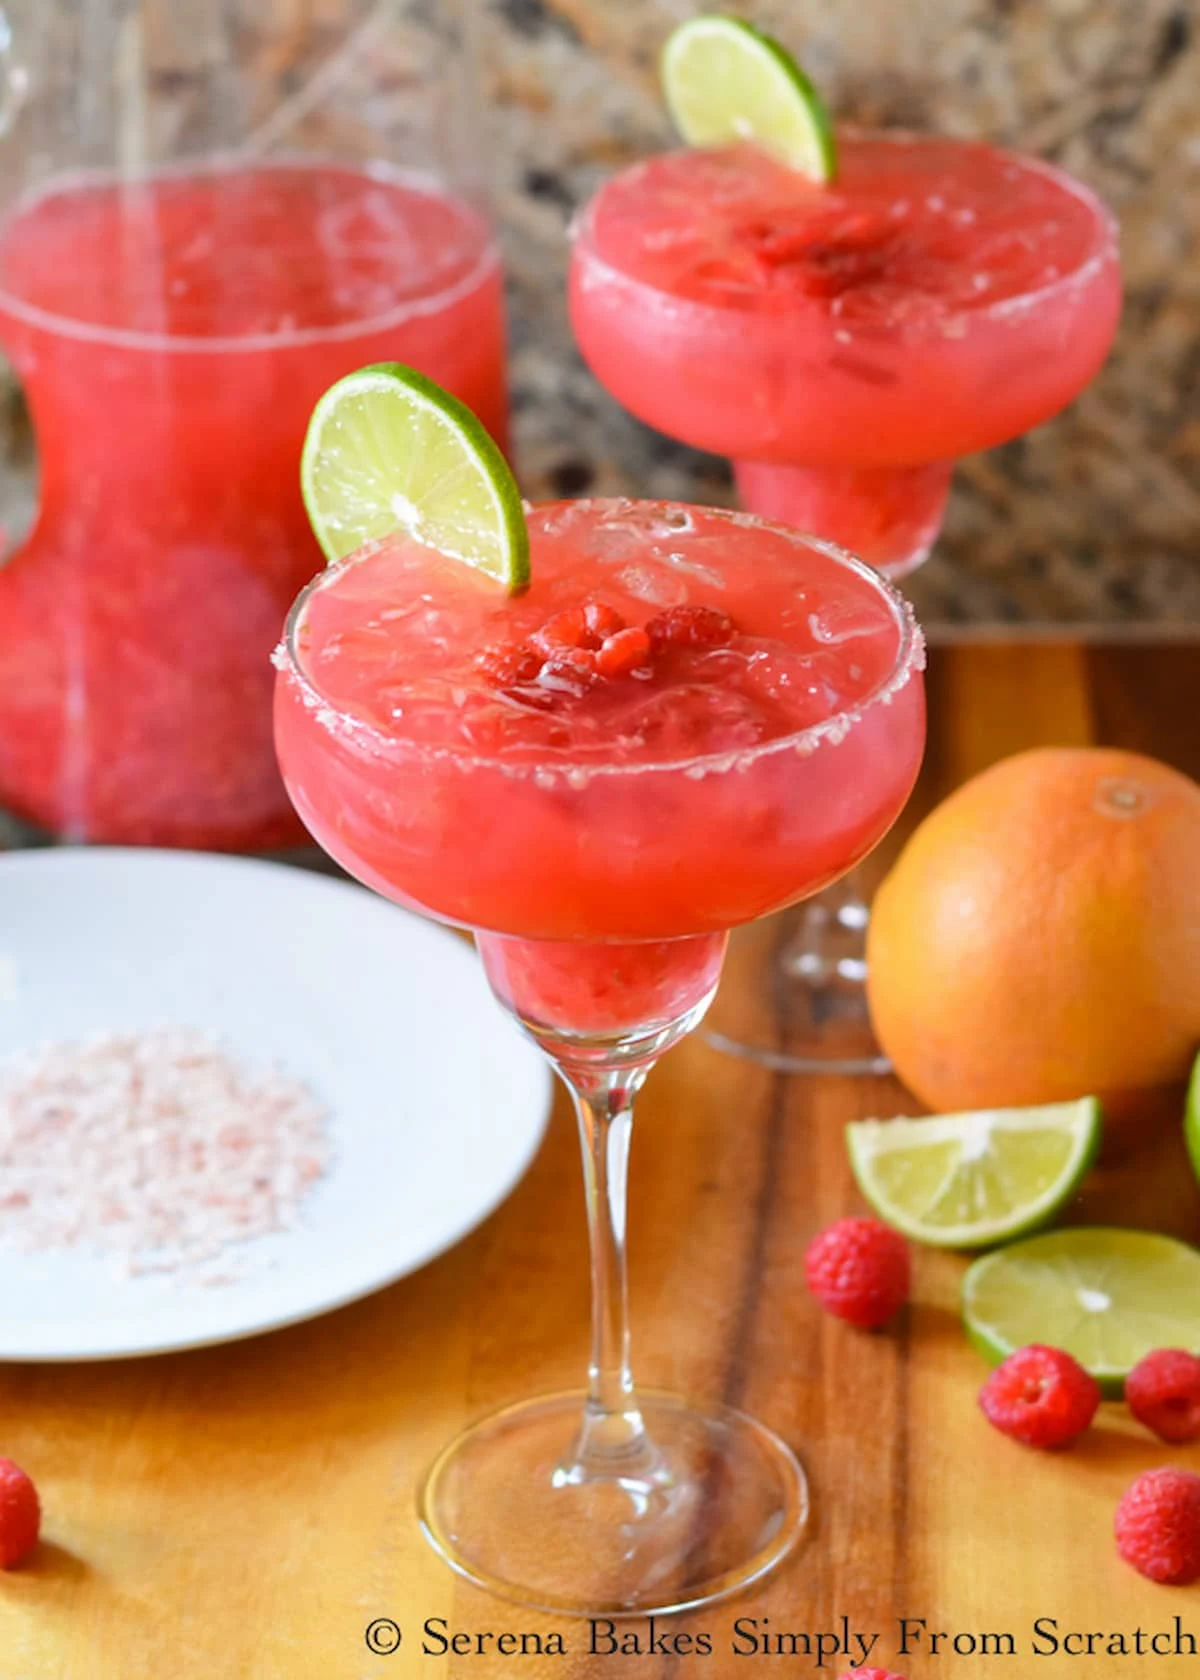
(612, 1438)
(831, 944)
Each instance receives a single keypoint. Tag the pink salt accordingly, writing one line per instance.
(156, 1147)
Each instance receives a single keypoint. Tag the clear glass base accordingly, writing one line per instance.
(794, 996)
(702, 1502)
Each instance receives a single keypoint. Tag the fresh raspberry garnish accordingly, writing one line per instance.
(859, 1270)
(20, 1514)
(570, 671)
(509, 664)
(869, 1674)
(1040, 1396)
(1158, 1526)
(579, 646)
(1163, 1391)
(623, 652)
(601, 622)
(567, 629)
(690, 627)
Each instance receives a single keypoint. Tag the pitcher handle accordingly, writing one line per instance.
(14, 80)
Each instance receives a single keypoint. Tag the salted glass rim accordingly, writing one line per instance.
(1105, 247)
(426, 181)
(909, 660)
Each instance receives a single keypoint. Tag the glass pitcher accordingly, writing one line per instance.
(210, 211)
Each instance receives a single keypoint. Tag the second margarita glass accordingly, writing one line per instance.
(844, 342)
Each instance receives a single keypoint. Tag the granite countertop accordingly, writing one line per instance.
(1093, 520)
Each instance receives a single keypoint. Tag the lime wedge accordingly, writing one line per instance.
(387, 450)
(1107, 1296)
(1191, 1118)
(973, 1180)
(726, 81)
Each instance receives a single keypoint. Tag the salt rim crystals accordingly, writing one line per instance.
(368, 737)
(155, 1148)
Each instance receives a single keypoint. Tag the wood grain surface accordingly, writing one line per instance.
(247, 1511)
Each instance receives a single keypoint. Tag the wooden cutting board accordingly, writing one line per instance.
(248, 1511)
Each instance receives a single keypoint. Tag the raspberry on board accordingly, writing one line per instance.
(1163, 1392)
(1158, 1526)
(1040, 1396)
(859, 1270)
(20, 1514)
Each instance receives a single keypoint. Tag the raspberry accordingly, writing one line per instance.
(690, 627)
(570, 671)
(869, 1674)
(859, 1270)
(601, 622)
(20, 1514)
(565, 630)
(508, 665)
(1040, 1396)
(623, 652)
(1163, 1392)
(1158, 1526)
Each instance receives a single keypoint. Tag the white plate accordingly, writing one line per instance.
(437, 1104)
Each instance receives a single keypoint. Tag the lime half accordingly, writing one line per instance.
(387, 450)
(1107, 1296)
(1191, 1118)
(972, 1180)
(726, 81)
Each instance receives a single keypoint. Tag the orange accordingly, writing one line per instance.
(1039, 937)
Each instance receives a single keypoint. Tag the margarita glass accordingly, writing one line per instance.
(747, 723)
(844, 343)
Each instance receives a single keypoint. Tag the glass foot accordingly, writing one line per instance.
(706, 1502)
(889, 516)
(794, 994)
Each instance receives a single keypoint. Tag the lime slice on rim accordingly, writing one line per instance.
(387, 450)
(1191, 1118)
(725, 81)
(971, 1180)
(1107, 1296)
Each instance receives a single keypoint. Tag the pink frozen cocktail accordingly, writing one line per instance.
(690, 718)
(845, 342)
(757, 731)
